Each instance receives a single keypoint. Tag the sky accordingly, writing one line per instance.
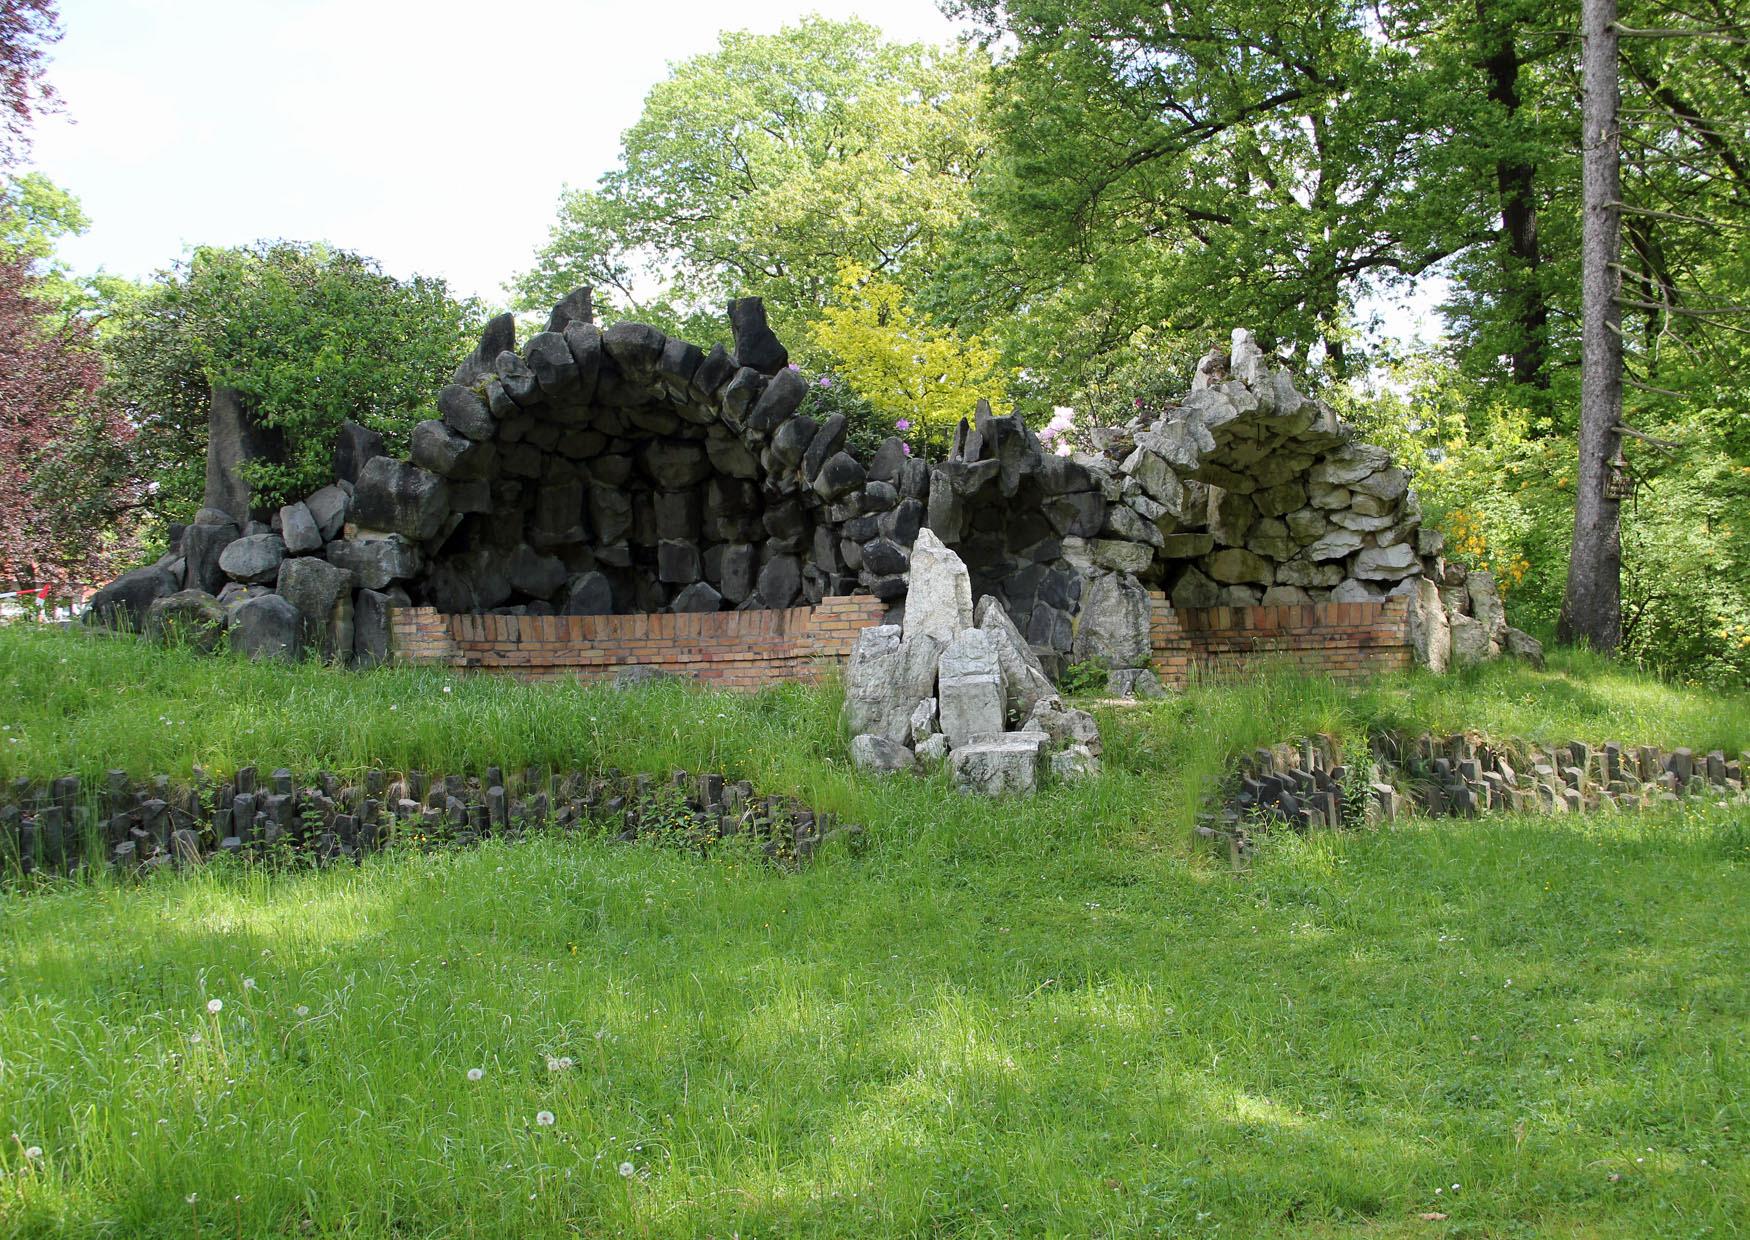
(432, 135)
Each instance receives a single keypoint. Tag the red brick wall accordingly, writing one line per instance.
(733, 649)
(1348, 641)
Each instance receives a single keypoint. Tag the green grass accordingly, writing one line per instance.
(82, 703)
(997, 1019)
(1015, 1026)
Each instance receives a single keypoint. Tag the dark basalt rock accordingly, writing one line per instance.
(781, 398)
(584, 339)
(698, 597)
(355, 447)
(548, 355)
(588, 594)
(191, 616)
(577, 306)
(370, 629)
(322, 594)
(374, 562)
(839, 476)
(265, 627)
(780, 581)
(398, 497)
(202, 545)
(756, 346)
(518, 380)
(636, 349)
(254, 558)
(466, 413)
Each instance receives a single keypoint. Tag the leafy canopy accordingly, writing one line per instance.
(313, 336)
(758, 168)
(922, 376)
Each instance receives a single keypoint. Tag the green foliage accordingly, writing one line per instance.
(1171, 166)
(1088, 676)
(759, 167)
(86, 703)
(313, 336)
(921, 376)
(1494, 479)
(831, 393)
(1144, 376)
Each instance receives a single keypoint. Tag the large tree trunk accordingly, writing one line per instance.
(1592, 607)
(1516, 185)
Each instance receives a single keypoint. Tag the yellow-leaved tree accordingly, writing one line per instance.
(923, 377)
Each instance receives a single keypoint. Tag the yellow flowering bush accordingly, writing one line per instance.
(922, 377)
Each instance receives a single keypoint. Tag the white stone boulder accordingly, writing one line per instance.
(1469, 640)
(877, 755)
(1076, 762)
(1486, 606)
(889, 674)
(1025, 683)
(1430, 629)
(938, 600)
(969, 688)
(1114, 623)
(932, 750)
(1064, 727)
(999, 766)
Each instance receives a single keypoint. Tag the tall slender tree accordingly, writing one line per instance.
(1592, 605)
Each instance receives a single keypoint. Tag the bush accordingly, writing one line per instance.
(830, 393)
(314, 336)
(1499, 481)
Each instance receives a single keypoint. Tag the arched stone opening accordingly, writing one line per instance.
(623, 471)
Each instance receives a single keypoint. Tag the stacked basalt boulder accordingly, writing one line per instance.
(624, 471)
(960, 684)
(592, 472)
(1246, 493)
(274, 585)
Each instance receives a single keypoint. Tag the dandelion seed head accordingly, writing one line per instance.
(215, 1006)
(474, 1074)
(626, 1169)
(544, 1118)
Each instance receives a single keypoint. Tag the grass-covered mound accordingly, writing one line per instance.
(80, 703)
(1023, 1018)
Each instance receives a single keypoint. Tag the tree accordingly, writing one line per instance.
(1219, 162)
(922, 377)
(28, 28)
(58, 487)
(1592, 607)
(757, 168)
(61, 520)
(312, 336)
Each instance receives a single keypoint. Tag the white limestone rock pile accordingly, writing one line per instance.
(957, 683)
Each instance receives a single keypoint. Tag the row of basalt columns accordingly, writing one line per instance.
(1307, 785)
(58, 826)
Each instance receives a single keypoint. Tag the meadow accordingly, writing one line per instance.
(1056, 1018)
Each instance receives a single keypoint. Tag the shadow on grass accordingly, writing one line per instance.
(996, 1023)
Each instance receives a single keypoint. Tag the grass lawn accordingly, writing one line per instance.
(1050, 1018)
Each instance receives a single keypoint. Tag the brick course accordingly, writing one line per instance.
(730, 649)
(1347, 641)
(750, 649)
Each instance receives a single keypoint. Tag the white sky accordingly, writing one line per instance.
(432, 135)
